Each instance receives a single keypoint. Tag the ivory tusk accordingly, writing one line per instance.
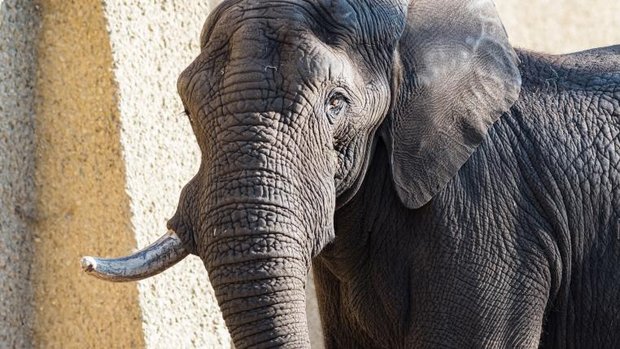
(157, 257)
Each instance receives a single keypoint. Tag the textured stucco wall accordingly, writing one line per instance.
(94, 151)
(561, 26)
(80, 180)
(18, 32)
(152, 41)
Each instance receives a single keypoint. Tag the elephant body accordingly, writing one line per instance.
(449, 191)
(521, 248)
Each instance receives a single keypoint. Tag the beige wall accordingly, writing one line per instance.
(152, 41)
(81, 201)
(561, 26)
(94, 151)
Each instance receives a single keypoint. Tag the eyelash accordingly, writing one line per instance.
(186, 113)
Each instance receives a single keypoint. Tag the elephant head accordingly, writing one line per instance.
(287, 100)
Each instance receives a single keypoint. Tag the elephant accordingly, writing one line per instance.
(448, 189)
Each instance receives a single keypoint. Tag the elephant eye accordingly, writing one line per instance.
(336, 104)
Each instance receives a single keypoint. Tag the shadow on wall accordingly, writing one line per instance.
(62, 182)
(19, 26)
(80, 177)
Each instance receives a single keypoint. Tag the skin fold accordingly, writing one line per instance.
(448, 190)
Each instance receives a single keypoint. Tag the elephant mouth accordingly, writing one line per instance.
(151, 260)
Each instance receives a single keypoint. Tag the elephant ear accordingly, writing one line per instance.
(455, 75)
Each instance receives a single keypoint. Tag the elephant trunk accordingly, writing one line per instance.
(258, 269)
(260, 289)
(260, 232)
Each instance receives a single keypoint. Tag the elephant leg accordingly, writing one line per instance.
(338, 329)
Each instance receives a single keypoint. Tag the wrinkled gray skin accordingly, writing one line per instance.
(449, 192)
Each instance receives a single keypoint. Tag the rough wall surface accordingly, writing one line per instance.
(561, 26)
(152, 42)
(18, 32)
(81, 202)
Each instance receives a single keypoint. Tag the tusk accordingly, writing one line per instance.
(159, 256)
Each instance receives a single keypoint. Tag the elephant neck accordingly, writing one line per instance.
(365, 216)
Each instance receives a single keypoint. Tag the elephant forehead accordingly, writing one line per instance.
(265, 17)
(329, 20)
(288, 57)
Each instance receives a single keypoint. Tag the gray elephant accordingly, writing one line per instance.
(450, 191)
